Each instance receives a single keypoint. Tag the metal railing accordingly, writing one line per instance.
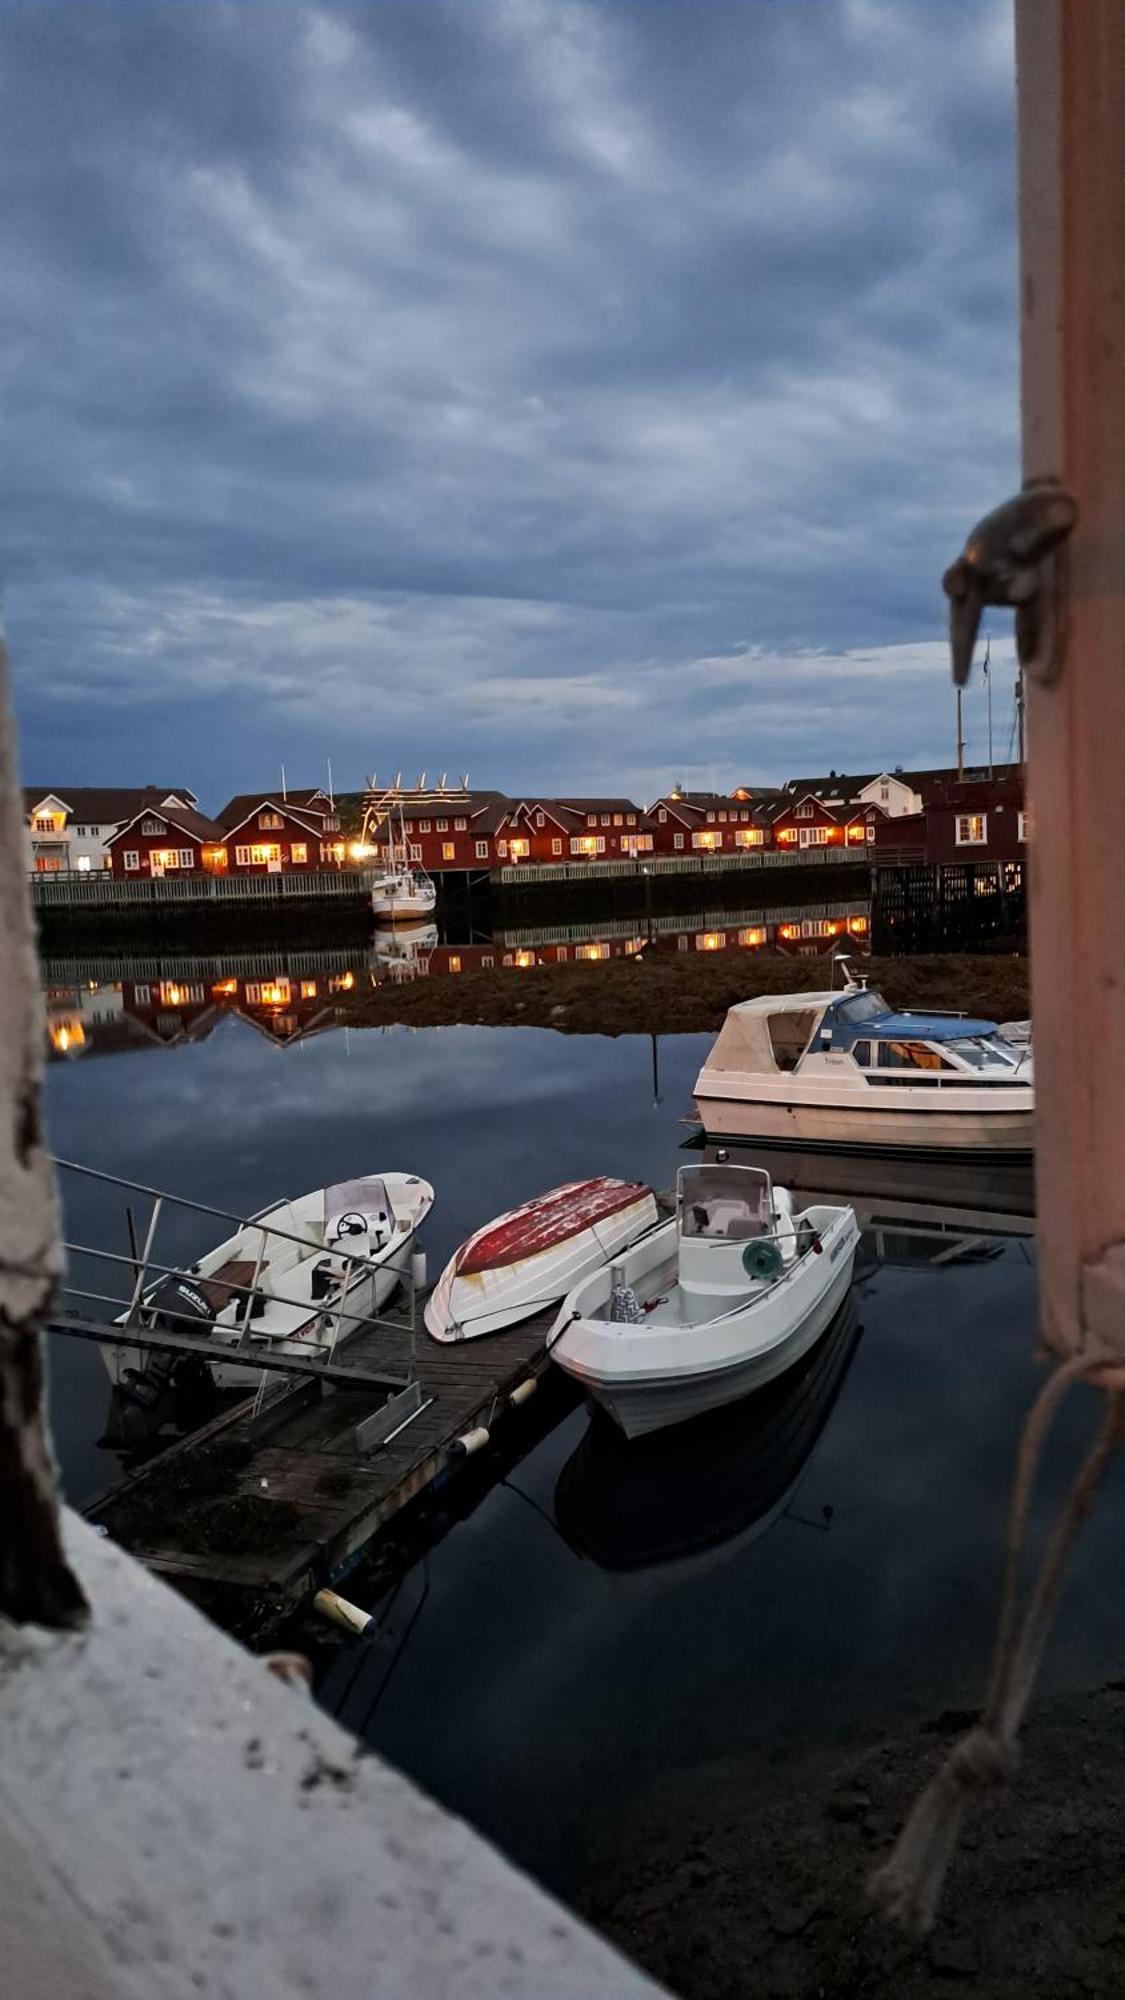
(332, 1319)
(77, 889)
(680, 864)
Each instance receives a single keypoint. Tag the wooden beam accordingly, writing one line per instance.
(1071, 89)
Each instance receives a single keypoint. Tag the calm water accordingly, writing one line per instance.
(530, 1681)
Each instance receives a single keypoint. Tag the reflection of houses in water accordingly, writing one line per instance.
(414, 952)
(168, 1002)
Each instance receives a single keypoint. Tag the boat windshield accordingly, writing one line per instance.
(725, 1203)
(985, 1052)
(858, 1007)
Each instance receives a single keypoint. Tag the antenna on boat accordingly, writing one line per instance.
(842, 960)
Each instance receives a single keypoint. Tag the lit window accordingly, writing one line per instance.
(787, 833)
(709, 841)
(723, 818)
(752, 937)
(749, 836)
(262, 852)
(299, 852)
(449, 850)
(972, 829)
(618, 819)
(519, 849)
(308, 989)
(630, 819)
(857, 832)
(711, 941)
(224, 989)
(591, 951)
(83, 862)
(454, 961)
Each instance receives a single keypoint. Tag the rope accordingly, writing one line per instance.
(908, 1886)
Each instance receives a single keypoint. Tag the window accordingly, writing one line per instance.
(749, 836)
(83, 862)
(308, 989)
(723, 819)
(662, 817)
(618, 819)
(805, 812)
(591, 819)
(187, 857)
(556, 847)
(442, 825)
(971, 829)
(449, 850)
(605, 819)
(47, 823)
(242, 857)
(862, 1053)
(540, 821)
(132, 859)
(460, 825)
(482, 850)
(870, 829)
(858, 832)
(423, 826)
(630, 819)
(259, 854)
(253, 994)
(152, 826)
(677, 840)
(454, 961)
(299, 852)
(1021, 826)
(519, 849)
(637, 843)
(683, 944)
(709, 841)
(909, 1055)
(415, 851)
(502, 849)
(270, 822)
(487, 964)
(710, 819)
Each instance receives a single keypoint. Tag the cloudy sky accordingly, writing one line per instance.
(583, 393)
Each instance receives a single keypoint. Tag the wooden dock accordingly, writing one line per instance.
(274, 1499)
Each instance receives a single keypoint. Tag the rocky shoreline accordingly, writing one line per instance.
(658, 992)
(764, 1896)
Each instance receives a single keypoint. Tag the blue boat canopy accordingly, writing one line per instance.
(858, 1017)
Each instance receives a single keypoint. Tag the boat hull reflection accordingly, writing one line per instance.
(677, 1493)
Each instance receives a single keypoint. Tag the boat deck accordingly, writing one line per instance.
(279, 1498)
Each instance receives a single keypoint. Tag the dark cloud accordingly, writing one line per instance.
(458, 385)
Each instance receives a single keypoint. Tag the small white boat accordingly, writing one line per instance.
(297, 1279)
(711, 1305)
(403, 954)
(844, 1070)
(404, 890)
(529, 1258)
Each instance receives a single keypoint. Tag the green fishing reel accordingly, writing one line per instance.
(761, 1259)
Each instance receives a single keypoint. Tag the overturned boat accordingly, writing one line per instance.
(844, 1070)
(528, 1259)
(300, 1278)
(709, 1306)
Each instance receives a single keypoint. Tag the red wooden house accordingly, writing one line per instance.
(277, 838)
(807, 820)
(453, 833)
(706, 823)
(169, 840)
(979, 819)
(556, 830)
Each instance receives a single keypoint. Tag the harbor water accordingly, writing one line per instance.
(602, 1640)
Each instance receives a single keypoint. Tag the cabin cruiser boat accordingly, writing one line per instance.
(300, 1278)
(528, 1259)
(709, 1306)
(723, 1480)
(403, 891)
(403, 954)
(845, 1070)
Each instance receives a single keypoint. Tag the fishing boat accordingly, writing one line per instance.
(843, 1069)
(714, 1484)
(404, 890)
(299, 1278)
(528, 1259)
(710, 1305)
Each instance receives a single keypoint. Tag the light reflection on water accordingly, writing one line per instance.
(527, 1676)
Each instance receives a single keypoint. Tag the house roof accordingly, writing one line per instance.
(103, 805)
(182, 818)
(840, 784)
(308, 820)
(243, 804)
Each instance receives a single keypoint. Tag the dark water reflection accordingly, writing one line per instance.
(532, 1679)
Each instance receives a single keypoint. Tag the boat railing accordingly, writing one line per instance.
(145, 1269)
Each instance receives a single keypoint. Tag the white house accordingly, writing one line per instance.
(67, 829)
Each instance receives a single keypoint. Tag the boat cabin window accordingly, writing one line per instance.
(789, 1035)
(725, 1204)
(985, 1052)
(862, 1053)
(865, 1006)
(910, 1055)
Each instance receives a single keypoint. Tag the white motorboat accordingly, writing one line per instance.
(300, 1278)
(845, 1070)
(529, 1258)
(403, 953)
(404, 890)
(709, 1306)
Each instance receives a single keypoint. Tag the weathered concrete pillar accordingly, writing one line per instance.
(36, 1582)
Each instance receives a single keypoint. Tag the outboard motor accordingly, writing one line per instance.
(179, 1305)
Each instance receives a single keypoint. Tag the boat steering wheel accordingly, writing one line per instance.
(351, 1225)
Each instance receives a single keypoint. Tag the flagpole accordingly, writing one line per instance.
(988, 685)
